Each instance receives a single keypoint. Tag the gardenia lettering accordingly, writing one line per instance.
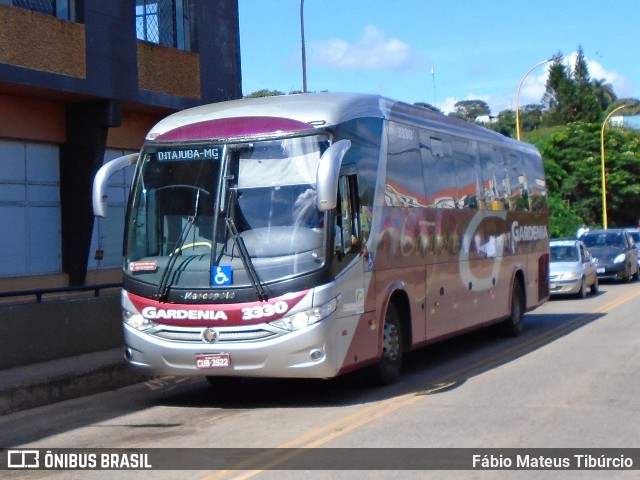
(173, 314)
(528, 233)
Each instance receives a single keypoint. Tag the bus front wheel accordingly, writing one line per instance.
(388, 368)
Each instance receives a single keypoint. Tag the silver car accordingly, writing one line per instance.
(571, 271)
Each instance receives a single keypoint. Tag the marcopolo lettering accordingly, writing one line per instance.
(209, 296)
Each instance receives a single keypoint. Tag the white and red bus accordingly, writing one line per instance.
(312, 235)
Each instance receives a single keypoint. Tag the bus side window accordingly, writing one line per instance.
(347, 225)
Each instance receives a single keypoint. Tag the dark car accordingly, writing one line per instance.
(613, 252)
(635, 234)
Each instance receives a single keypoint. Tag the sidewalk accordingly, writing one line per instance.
(57, 380)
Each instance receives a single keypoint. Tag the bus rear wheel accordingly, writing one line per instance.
(514, 325)
(387, 371)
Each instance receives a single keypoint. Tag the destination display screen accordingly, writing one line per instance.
(187, 154)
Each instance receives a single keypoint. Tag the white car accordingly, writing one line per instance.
(571, 271)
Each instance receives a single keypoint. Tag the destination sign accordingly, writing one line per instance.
(186, 154)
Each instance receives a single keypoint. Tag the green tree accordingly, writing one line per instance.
(573, 167)
(559, 93)
(622, 166)
(531, 117)
(604, 94)
(427, 105)
(264, 93)
(470, 110)
(563, 222)
(505, 123)
(585, 105)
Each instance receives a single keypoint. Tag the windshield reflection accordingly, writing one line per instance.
(182, 205)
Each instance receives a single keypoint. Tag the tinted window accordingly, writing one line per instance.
(494, 176)
(635, 236)
(603, 239)
(405, 185)
(438, 171)
(468, 176)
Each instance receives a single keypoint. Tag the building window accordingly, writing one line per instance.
(30, 205)
(164, 22)
(64, 9)
(42, 6)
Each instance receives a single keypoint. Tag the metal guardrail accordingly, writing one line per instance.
(39, 292)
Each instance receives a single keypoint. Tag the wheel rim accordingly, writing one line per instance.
(391, 342)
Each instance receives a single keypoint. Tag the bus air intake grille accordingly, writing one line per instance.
(195, 336)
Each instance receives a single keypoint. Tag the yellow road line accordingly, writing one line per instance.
(468, 371)
(608, 307)
(323, 435)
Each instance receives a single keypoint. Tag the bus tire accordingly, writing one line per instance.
(387, 370)
(514, 325)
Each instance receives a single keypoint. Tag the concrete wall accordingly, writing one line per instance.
(40, 332)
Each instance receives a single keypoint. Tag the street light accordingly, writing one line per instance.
(604, 182)
(304, 55)
(542, 62)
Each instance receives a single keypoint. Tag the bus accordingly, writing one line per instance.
(312, 235)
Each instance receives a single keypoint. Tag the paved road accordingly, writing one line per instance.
(570, 381)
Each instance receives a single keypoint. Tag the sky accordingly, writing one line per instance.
(438, 52)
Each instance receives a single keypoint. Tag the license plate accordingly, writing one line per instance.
(213, 360)
(600, 270)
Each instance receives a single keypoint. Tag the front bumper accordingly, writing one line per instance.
(614, 271)
(306, 353)
(564, 287)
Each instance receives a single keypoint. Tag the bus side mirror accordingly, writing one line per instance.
(327, 175)
(100, 182)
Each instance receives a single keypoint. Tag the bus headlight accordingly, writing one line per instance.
(620, 258)
(309, 317)
(137, 321)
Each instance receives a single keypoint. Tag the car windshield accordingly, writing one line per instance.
(564, 254)
(604, 239)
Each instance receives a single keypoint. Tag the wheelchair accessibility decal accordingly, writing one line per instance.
(222, 275)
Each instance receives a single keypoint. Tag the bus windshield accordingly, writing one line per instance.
(226, 215)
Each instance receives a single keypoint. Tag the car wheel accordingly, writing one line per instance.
(583, 289)
(595, 287)
(636, 275)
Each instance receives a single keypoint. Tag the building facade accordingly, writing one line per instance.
(81, 82)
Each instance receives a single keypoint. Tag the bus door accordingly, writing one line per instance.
(356, 332)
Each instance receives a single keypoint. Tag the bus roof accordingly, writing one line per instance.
(319, 110)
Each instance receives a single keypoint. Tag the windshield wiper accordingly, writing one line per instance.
(163, 286)
(246, 260)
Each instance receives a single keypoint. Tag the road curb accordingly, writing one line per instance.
(42, 384)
